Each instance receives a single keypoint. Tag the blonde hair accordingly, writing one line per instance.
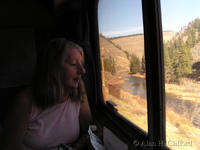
(47, 85)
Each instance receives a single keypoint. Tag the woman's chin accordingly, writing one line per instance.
(75, 86)
(71, 87)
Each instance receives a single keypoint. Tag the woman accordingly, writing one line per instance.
(55, 109)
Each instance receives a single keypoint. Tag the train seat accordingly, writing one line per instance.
(17, 62)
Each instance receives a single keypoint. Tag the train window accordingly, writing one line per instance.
(181, 36)
(122, 58)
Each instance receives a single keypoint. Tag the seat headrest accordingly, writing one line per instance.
(17, 56)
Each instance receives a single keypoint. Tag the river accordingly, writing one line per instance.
(134, 85)
(137, 86)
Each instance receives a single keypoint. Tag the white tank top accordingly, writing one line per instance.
(50, 127)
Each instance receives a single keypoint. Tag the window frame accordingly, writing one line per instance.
(155, 84)
(154, 70)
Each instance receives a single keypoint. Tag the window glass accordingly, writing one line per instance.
(181, 37)
(122, 58)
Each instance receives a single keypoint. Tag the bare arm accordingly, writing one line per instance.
(15, 124)
(85, 121)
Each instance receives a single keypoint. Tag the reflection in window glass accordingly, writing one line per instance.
(122, 58)
(181, 34)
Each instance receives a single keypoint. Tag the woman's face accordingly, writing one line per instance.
(72, 69)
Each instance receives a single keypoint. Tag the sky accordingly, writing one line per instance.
(124, 17)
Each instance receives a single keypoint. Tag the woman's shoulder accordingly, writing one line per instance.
(19, 108)
(23, 101)
(24, 97)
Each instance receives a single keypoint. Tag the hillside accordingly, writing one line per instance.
(167, 35)
(131, 44)
(135, 43)
(108, 49)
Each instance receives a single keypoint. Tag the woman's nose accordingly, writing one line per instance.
(81, 69)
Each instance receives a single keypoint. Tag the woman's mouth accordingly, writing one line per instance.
(76, 79)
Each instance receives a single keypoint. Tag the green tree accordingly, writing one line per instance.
(127, 54)
(181, 59)
(134, 64)
(175, 66)
(193, 37)
(143, 67)
(168, 65)
(109, 65)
